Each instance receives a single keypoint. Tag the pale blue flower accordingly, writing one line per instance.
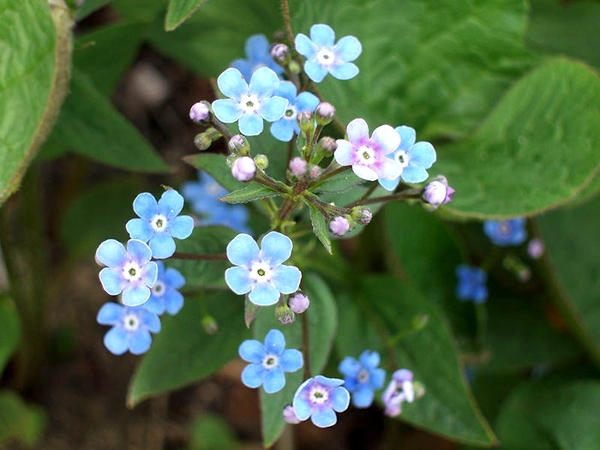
(284, 128)
(268, 362)
(320, 398)
(129, 271)
(324, 56)
(131, 328)
(362, 377)
(260, 271)
(472, 284)
(413, 158)
(160, 222)
(258, 54)
(505, 233)
(164, 294)
(249, 103)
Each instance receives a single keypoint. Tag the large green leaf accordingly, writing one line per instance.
(35, 52)
(572, 267)
(179, 11)
(385, 308)
(10, 331)
(183, 353)
(436, 66)
(536, 150)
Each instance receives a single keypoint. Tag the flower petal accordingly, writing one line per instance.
(291, 360)
(322, 35)
(238, 279)
(111, 253)
(344, 154)
(389, 185)
(172, 277)
(276, 248)
(242, 250)
(274, 380)
(253, 375)
(273, 108)
(170, 203)
(275, 342)
(264, 294)
(162, 245)
(414, 174)
(286, 279)
(323, 417)
(422, 154)
(111, 281)
(227, 110)
(358, 132)
(139, 251)
(135, 295)
(264, 81)
(110, 314)
(232, 84)
(139, 229)
(407, 135)
(344, 71)
(173, 302)
(315, 71)
(180, 227)
(385, 139)
(251, 124)
(348, 48)
(115, 340)
(252, 351)
(145, 205)
(363, 396)
(305, 46)
(364, 172)
(307, 101)
(139, 342)
(340, 398)
(283, 130)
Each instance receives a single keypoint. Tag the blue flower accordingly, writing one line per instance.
(399, 390)
(249, 103)
(320, 398)
(128, 271)
(505, 233)
(159, 222)
(323, 56)
(268, 362)
(131, 328)
(258, 54)
(472, 284)
(413, 158)
(164, 295)
(259, 271)
(362, 377)
(284, 128)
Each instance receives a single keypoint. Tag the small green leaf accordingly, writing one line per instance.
(249, 193)
(182, 353)
(216, 166)
(319, 226)
(339, 183)
(179, 11)
(10, 331)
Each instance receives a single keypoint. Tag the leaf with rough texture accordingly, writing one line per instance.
(319, 226)
(179, 11)
(183, 353)
(536, 150)
(10, 331)
(35, 56)
(249, 193)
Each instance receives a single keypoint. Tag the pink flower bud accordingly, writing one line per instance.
(243, 169)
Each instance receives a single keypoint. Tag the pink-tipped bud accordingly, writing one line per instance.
(324, 113)
(437, 192)
(339, 226)
(297, 166)
(243, 168)
(284, 314)
(281, 54)
(314, 172)
(327, 144)
(290, 416)
(298, 302)
(239, 145)
(306, 121)
(362, 215)
(200, 113)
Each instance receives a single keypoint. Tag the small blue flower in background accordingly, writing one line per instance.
(160, 222)
(505, 233)
(131, 328)
(259, 271)
(284, 128)
(324, 56)
(472, 284)
(258, 54)
(369, 156)
(129, 271)
(268, 362)
(362, 377)
(399, 390)
(320, 398)
(413, 157)
(249, 103)
(164, 295)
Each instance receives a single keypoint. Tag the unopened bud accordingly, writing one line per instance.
(200, 113)
(339, 226)
(362, 215)
(239, 145)
(290, 416)
(314, 171)
(209, 324)
(327, 144)
(281, 54)
(298, 302)
(306, 121)
(262, 162)
(202, 141)
(243, 168)
(324, 113)
(294, 67)
(437, 192)
(284, 314)
(297, 166)
(535, 248)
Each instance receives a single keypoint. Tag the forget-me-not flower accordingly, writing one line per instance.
(412, 157)
(268, 362)
(324, 56)
(131, 328)
(129, 271)
(258, 54)
(505, 233)
(249, 103)
(284, 128)
(369, 156)
(472, 284)
(399, 390)
(320, 398)
(260, 271)
(164, 295)
(362, 377)
(160, 222)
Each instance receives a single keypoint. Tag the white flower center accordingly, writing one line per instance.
(402, 158)
(249, 104)
(159, 289)
(318, 394)
(290, 113)
(504, 229)
(131, 322)
(260, 272)
(132, 271)
(363, 376)
(365, 155)
(159, 222)
(325, 57)
(270, 361)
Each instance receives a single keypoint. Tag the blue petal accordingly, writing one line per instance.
(227, 110)
(340, 398)
(363, 396)
(275, 342)
(145, 205)
(242, 250)
(273, 108)
(389, 185)
(245, 67)
(407, 136)
(301, 406)
(155, 304)
(170, 203)
(348, 48)
(111, 253)
(283, 129)
(150, 320)
(162, 245)
(349, 367)
(238, 280)
(115, 340)
(414, 174)
(323, 417)
(251, 124)
(314, 70)
(252, 351)
(139, 251)
(286, 279)
(139, 342)
(422, 154)
(274, 380)
(264, 81)
(139, 229)
(172, 277)
(276, 248)
(291, 360)
(364, 172)
(305, 46)
(377, 378)
(150, 274)
(287, 90)
(322, 35)
(111, 281)
(257, 48)
(180, 227)
(344, 71)
(307, 101)
(110, 314)
(134, 296)
(232, 84)
(173, 302)
(369, 359)
(253, 375)
(264, 294)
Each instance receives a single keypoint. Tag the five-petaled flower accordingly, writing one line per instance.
(369, 156)
(164, 295)
(268, 362)
(472, 284)
(129, 271)
(362, 377)
(131, 328)
(505, 233)
(249, 103)
(284, 128)
(160, 222)
(258, 54)
(399, 390)
(260, 271)
(324, 56)
(320, 398)
(412, 157)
